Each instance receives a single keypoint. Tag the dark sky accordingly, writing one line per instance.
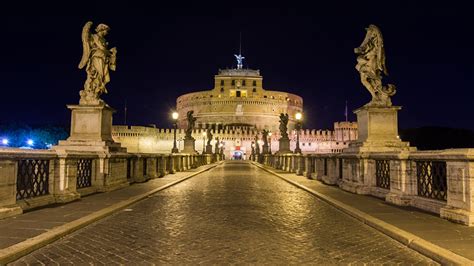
(166, 52)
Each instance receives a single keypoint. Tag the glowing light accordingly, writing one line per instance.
(298, 116)
(204, 134)
(5, 141)
(270, 134)
(30, 142)
(175, 115)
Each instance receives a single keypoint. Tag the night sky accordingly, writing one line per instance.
(166, 52)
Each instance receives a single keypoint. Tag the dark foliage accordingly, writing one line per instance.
(436, 138)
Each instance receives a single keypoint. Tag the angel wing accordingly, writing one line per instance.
(85, 44)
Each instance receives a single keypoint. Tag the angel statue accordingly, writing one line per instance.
(97, 59)
(284, 126)
(371, 65)
(265, 137)
(239, 59)
(216, 146)
(209, 137)
(191, 121)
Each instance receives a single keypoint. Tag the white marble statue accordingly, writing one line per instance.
(97, 59)
(239, 58)
(371, 65)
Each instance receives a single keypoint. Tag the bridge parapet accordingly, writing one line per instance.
(440, 181)
(34, 178)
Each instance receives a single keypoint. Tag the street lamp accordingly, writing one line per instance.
(175, 116)
(204, 134)
(270, 142)
(298, 117)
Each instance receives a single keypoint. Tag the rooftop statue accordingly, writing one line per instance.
(191, 121)
(284, 125)
(239, 58)
(97, 59)
(371, 65)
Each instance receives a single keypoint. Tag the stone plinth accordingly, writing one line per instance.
(377, 130)
(208, 149)
(91, 129)
(284, 145)
(265, 149)
(189, 146)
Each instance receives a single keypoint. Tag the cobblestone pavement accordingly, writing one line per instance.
(235, 213)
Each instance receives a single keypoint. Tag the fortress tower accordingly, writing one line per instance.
(238, 99)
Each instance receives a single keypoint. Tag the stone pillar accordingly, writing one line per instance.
(65, 179)
(309, 167)
(402, 181)
(8, 175)
(162, 165)
(460, 175)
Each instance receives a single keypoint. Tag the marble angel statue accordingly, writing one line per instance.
(371, 66)
(97, 59)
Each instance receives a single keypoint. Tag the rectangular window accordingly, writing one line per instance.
(237, 94)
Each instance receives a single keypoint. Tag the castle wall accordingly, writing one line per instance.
(139, 139)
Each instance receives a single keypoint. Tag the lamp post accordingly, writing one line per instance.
(270, 142)
(204, 134)
(298, 117)
(175, 116)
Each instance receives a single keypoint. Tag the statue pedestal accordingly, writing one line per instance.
(377, 130)
(265, 149)
(284, 145)
(189, 146)
(91, 129)
(208, 149)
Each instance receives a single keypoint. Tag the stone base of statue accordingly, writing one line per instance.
(91, 129)
(189, 146)
(378, 130)
(208, 149)
(284, 145)
(265, 149)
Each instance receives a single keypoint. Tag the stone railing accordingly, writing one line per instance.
(441, 181)
(34, 178)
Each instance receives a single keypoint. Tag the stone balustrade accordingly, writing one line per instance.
(440, 182)
(34, 178)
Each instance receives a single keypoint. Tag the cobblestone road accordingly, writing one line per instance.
(235, 213)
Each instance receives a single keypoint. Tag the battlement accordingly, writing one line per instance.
(239, 72)
(236, 132)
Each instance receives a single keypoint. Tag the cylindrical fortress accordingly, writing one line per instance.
(238, 99)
